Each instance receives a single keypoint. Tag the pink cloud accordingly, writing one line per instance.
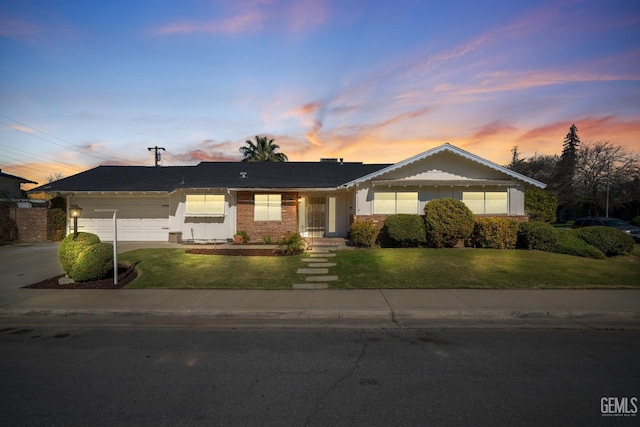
(255, 16)
(249, 21)
(16, 28)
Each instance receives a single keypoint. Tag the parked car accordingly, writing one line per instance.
(609, 222)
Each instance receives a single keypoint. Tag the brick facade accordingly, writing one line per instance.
(274, 229)
(31, 222)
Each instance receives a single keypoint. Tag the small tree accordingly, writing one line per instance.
(447, 221)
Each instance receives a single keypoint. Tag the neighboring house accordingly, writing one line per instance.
(10, 186)
(30, 216)
(214, 200)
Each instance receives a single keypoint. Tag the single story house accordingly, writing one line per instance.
(212, 201)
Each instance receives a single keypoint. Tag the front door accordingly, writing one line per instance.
(316, 216)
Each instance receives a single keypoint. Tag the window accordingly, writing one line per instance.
(205, 205)
(391, 202)
(267, 207)
(489, 202)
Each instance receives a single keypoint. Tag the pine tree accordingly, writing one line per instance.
(563, 181)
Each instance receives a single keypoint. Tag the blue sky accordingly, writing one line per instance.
(84, 83)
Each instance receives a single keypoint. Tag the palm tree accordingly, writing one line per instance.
(262, 150)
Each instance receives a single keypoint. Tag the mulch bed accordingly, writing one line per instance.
(235, 252)
(125, 275)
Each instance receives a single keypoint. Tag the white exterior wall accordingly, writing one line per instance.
(206, 228)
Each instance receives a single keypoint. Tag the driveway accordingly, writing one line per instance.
(23, 264)
(27, 263)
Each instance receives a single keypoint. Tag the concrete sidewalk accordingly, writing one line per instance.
(332, 308)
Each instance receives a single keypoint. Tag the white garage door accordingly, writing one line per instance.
(139, 218)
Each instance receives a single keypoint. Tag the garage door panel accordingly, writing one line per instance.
(139, 218)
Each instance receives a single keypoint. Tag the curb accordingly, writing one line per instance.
(336, 318)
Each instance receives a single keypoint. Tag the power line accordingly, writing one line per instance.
(69, 146)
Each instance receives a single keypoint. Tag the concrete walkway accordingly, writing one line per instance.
(386, 308)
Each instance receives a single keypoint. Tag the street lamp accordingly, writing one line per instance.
(75, 212)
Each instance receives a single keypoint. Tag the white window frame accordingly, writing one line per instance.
(486, 202)
(395, 202)
(267, 207)
(197, 205)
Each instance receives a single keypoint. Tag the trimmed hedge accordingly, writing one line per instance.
(570, 244)
(405, 230)
(94, 263)
(364, 233)
(537, 235)
(447, 221)
(70, 249)
(495, 233)
(609, 240)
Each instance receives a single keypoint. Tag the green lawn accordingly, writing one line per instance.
(389, 268)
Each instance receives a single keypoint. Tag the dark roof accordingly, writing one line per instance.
(213, 175)
(16, 178)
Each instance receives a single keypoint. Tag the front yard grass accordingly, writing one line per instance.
(389, 268)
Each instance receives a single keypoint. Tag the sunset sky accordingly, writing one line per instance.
(84, 83)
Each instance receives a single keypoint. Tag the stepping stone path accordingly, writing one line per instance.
(316, 268)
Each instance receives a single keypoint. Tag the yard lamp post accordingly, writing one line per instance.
(75, 212)
(115, 241)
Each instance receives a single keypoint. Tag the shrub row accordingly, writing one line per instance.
(447, 221)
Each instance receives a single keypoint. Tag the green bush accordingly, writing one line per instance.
(495, 233)
(94, 263)
(537, 235)
(447, 221)
(8, 229)
(635, 221)
(57, 223)
(404, 230)
(364, 233)
(291, 244)
(570, 244)
(540, 205)
(609, 240)
(71, 249)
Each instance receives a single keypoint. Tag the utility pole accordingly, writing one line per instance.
(157, 150)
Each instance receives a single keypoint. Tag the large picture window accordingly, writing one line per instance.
(267, 207)
(205, 205)
(392, 202)
(486, 202)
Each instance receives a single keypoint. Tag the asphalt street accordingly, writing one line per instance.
(72, 376)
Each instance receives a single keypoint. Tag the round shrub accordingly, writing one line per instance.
(70, 249)
(57, 223)
(609, 240)
(447, 221)
(570, 244)
(404, 230)
(495, 233)
(537, 235)
(364, 233)
(94, 263)
(635, 221)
